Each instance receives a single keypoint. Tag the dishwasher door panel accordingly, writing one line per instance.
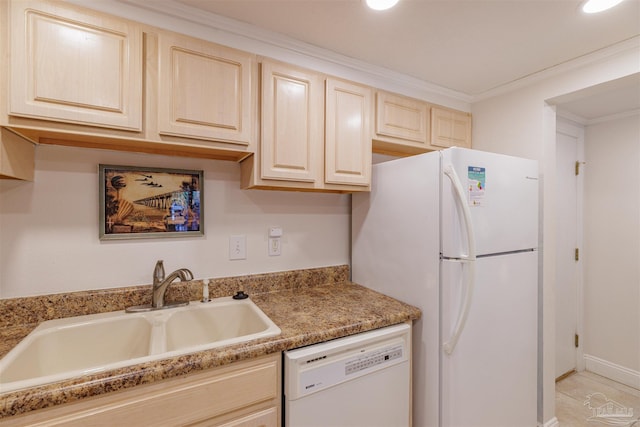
(359, 381)
(381, 399)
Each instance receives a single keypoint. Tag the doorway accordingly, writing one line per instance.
(569, 179)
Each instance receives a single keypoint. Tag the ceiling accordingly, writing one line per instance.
(469, 46)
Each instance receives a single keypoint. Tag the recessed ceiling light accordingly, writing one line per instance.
(383, 4)
(595, 6)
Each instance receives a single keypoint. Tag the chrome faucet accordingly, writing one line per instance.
(160, 283)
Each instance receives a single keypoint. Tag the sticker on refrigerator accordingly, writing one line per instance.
(476, 178)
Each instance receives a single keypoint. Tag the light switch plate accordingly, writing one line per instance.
(274, 246)
(237, 247)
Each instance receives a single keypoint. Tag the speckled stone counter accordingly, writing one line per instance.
(309, 306)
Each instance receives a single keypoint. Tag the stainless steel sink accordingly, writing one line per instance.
(70, 347)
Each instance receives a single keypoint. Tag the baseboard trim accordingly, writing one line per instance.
(553, 422)
(612, 371)
(565, 375)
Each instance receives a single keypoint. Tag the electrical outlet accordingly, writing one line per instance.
(274, 246)
(238, 247)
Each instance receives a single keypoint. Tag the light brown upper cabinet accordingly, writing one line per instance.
(407, 126)
(348, 133)
(205, 90)
(74, 66)
(402, 125)
(292, 123)
(77, 77)
(307, 144)
(17, 156)
(450, 128)
(83, 78)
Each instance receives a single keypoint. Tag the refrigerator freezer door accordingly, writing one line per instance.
(503, 199)
(490, 379)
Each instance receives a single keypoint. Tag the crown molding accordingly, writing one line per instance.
(628, 45)
(617, 116)
(261, 36)
(574, 118)
(588, 122)
(173, 15)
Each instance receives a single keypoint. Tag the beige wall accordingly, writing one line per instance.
(49, 228)
(612, 242)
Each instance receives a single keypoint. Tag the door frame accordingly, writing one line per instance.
(566, 126)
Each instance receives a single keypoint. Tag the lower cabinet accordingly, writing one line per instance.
(243, 394)
(266, 418)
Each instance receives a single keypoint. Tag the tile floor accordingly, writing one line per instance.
(574, 407)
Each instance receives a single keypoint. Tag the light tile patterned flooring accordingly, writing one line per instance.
(573, 391)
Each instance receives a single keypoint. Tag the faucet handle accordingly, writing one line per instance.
(205, 290)
(158, 272)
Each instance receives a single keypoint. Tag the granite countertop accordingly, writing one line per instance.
(305, 314)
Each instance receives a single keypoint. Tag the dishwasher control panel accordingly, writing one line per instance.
(373, 359)
(318, 367)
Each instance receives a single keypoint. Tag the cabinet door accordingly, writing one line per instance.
(242, 391)
(74, 65)
(205, 90)
(450, 128)
(292, 123)
(347, 133)
(402, 120)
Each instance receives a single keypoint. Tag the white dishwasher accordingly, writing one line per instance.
(363, 380)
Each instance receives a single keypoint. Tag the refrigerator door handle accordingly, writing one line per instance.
(450, 345)
(450, 172)
(469, 260)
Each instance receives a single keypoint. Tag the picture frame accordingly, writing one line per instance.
(147, 202)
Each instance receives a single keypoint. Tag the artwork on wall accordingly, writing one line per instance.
(142, 202)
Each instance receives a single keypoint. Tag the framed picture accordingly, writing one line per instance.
(141, 202)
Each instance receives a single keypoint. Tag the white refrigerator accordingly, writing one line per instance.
(455, 233)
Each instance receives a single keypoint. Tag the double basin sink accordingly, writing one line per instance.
(65, 348)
